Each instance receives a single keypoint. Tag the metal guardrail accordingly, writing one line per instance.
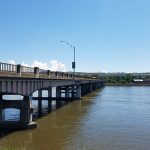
(23, 71)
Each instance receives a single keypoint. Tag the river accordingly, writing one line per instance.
(114, 118)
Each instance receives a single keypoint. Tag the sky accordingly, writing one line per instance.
(109, 35)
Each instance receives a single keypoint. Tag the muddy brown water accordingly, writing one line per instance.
(115, 118)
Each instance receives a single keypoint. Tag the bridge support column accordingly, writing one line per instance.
(58, 92)
(101, 85)
(94, 86)
(78, 92)
(83, 90)
(90, 89)
(72, 91)
(67, 92)
(40, 103)
(58, 104)
(26, 113)
(58, 96)
(1, 109)
(49, 99)
(25, 121)
(98, 85)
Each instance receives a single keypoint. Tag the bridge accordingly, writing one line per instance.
(24, 81)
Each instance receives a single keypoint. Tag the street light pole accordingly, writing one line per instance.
(74, 57)
(74, 63)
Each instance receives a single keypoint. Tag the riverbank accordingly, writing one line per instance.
(126, 84)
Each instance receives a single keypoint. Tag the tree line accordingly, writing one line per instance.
(115, 78)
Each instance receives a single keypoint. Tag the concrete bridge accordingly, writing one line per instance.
(24, 81)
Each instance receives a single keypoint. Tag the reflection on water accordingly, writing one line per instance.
(11, 114)
(116, 118)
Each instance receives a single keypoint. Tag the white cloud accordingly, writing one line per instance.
(57, 66)
(41, 65)
(53, 65)
(11, 62)
(24, 64)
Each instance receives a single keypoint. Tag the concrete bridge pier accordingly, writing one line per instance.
(67, 94)
(94, 86)
(26, 112)
(40, 99)
(49, 99)
(97, 85)
(89, 88)
(72, 91)
(39, 103)
(75, 92)
(83, 89)
(1, 109)
(58, 97)
(101, 84)
(58, 92)
(67, 91)
(25, 118)
(78, 92)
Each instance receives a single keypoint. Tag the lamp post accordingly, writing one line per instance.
(74, 57)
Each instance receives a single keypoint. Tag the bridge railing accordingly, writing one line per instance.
(8, 67)
(27, 69)
(23, 71)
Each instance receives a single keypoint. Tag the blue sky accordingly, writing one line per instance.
(109, 35)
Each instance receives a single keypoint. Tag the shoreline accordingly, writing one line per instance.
(130, 84)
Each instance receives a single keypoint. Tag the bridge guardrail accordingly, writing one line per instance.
(27, 69)
(23, 71)
(8, 67)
